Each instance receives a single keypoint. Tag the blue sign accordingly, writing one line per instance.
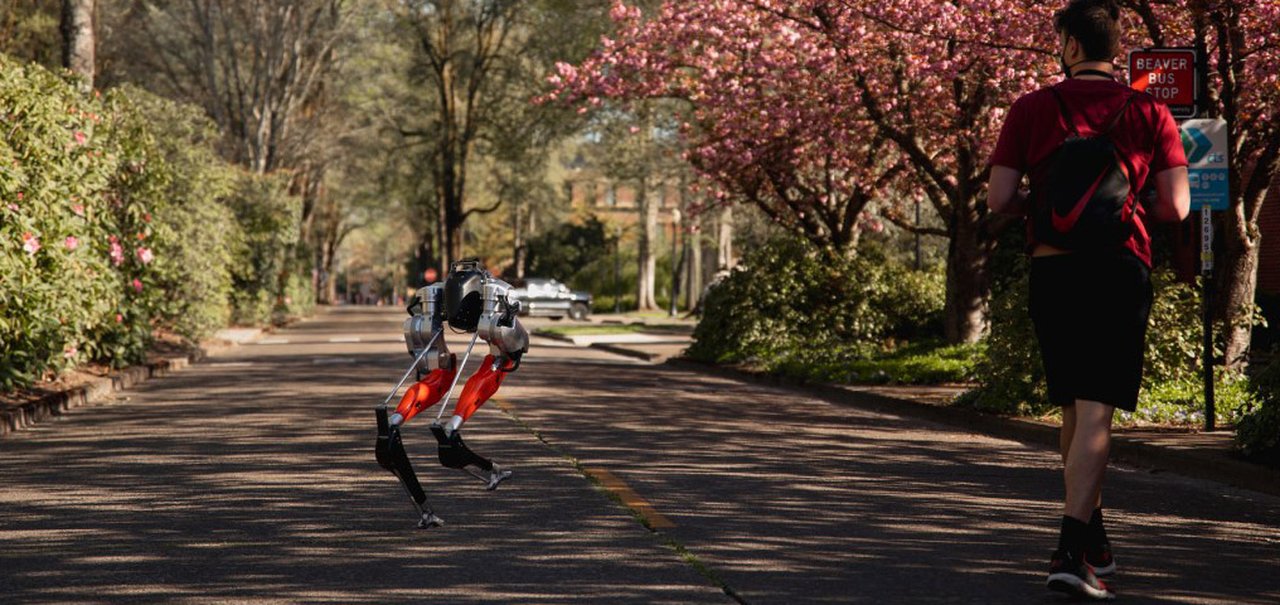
(1205, 143)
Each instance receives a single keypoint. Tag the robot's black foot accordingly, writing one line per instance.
(491, 477)
(496, 476)
(429, 520)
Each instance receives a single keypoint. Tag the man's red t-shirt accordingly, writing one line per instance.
(1146, 136)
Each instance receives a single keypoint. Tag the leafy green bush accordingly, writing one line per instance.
(191, 229)
(1010, 372)
(1258, 430)
(58, 280)
(117, 218)
(788, 308)
(263, 278)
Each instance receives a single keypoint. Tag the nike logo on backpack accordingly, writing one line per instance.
(1064, 224)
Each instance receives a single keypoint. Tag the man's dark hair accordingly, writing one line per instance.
(1093, 23)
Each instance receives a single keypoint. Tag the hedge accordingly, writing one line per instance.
(118, 218)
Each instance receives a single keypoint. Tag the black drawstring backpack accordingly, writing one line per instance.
(1085, 199)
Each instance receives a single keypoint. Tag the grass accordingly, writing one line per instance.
(923, 363)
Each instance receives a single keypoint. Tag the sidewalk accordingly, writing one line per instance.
(1189, 453)
(83, 388)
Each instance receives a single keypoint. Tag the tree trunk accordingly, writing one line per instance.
(648, 259)
(693, 274)
(78, 39)
(724, 240)
(518, 237)
(968, 279)
(1239, 284)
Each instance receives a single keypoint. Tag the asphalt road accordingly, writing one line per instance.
(250, 478)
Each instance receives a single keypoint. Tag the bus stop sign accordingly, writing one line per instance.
(1169, 75)
(1205, 142)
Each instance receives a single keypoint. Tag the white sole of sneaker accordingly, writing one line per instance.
(1073, 585)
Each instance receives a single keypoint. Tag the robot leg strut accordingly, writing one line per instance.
(389, 450)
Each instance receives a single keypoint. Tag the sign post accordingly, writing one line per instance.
(1205, 143)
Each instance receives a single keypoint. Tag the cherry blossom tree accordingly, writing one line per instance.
(768, 118)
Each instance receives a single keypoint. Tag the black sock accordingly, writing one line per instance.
(1097, 533)
(1074, 537)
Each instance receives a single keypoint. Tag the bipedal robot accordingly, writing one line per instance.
(469, 300)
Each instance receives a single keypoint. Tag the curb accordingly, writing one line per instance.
(603, 346)
(1202, 464)
(624, 351)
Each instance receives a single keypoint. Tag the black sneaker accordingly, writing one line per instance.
(1076, 578)
(1100, 559)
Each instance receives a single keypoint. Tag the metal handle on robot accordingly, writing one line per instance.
(509, 310)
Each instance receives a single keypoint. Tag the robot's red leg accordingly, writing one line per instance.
(479, 389)
(426, 393)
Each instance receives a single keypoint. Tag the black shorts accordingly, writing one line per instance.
(1090, 313)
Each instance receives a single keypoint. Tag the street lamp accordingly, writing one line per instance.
(675, 275)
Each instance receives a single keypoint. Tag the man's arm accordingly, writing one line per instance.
(1173, 195)
(1003, 195)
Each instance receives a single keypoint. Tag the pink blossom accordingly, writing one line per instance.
(117, 252)
(119, 318)
(71, 242)
(70, 352)
(30, 243)
(137, 285)
(144, 255)
(80, 138)
(78, 209)
(13, 207)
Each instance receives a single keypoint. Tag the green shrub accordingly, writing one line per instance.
(1258, 430)
(263, 274)
(789, 309)
(1011, 376)
(58, 284)
(191, 228)
(117, 218)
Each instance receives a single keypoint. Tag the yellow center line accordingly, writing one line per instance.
(611, 482)
(630, 498)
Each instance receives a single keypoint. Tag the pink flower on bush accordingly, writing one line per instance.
(144, 255)
(13, 207)
(71, 242)
(137, 285)
(80, 138)
(70, 352)
(117, 252)
(78, 209)
(119, 318)
(30, 243)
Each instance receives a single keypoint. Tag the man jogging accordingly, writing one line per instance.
(1089, 145)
